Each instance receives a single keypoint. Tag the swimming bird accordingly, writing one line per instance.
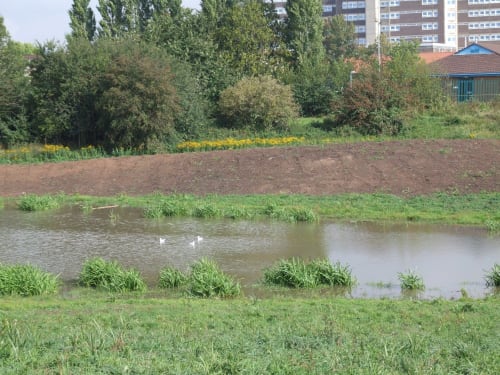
(199, 238)
(192, 243)
(162, 240)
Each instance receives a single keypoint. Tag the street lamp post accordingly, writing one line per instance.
(350, 78)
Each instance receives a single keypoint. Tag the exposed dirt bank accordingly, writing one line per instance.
(401, 167)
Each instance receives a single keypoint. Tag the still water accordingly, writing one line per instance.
(448, 258)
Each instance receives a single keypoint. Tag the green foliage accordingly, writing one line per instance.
(339, 38)
(261, 103)
(171, 277)
(208, 280)
(493, 276)
(32, 202)
(313, 87)
(246, 39)
(109, 275)
(411, 280)
(26, 280)
(14, 90)
(295, 273)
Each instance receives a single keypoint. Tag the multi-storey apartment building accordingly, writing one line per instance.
(441, 24)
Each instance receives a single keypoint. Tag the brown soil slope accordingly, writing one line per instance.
(401, 167)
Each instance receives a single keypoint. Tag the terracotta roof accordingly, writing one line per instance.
(468, 64)
(493, 46)
(430, 57)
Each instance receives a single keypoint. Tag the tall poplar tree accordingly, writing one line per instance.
(304, 31)
(82, 20)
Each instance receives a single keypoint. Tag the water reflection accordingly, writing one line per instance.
(448, 258)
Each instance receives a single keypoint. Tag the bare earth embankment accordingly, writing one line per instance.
(404, 168)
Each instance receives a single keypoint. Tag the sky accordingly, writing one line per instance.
(32, 21)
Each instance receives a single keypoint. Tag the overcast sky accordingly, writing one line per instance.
(30, 21)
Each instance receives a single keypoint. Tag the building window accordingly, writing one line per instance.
(327, 8)
(429, 13)
(389, 4)
(429, 2)
(351, 17)
(353, 4)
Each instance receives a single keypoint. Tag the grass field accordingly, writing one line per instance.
(85, 332)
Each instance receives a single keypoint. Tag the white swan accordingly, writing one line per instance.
(162, 240)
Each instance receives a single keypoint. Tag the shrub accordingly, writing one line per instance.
(411, 281)
(98, 273)
(493, 276)
(26, 280)
(171, 277)
(207, 280)
(261, 103)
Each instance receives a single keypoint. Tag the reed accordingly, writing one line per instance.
(493, 276)
(26, 280)
(410, 280)
(111, 276)
(208, 280)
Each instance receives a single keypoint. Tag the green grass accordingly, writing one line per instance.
(131, 335)
(26, 280)
(481, 209)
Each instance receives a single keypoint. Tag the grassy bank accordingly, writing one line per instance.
(470, 209)
(130, 334)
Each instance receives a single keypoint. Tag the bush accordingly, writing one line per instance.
(207, 280)
(98, 273)
(371, 106)
(261, 103)
(26, 280)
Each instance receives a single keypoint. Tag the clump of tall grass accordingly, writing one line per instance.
(208, 280)
(26, 280)
(295, 273)
(111, 276)
(493, 276)
(169, 208)
(290, 214)
(33, 202)
(207, 211)
(171, 277)
(410, 280)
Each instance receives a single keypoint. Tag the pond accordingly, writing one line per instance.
(449, 258)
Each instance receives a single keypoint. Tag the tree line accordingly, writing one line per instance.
(151, 73)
